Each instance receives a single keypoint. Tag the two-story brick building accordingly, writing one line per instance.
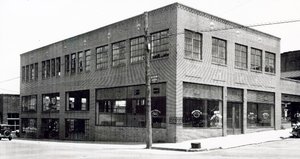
(211, 77)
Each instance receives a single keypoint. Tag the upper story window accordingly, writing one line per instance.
(87, 59)
(67, 64)
(51, 102)
(102, 57)
(29, 103)
(256, 59)
(118, 52)
(30, 72)
(192, 45)
(270, 62)
(240, 56)
(27, 73)
(45, 69)
(80, 61)
(219, 51)
(137, 47)
(23, 74)
(73, 63)
(53, 73)
(78, 100)
(160, 44)
(57, 66)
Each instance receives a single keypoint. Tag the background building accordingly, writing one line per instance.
(290, 64)
(9, 110)
(210, 77)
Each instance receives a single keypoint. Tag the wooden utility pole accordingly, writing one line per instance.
(148, 86)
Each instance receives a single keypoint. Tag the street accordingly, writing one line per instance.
(25, 149)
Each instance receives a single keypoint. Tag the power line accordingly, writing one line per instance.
(9, 79)
(243, 26)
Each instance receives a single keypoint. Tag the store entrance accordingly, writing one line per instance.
(234, 118)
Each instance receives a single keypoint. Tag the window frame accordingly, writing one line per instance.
(102, 57)
(256, 59)
(191, 45)
(137, 50)
(119, 54)
(268, 59)
(239, 58)
(217, 55)
(158, 42)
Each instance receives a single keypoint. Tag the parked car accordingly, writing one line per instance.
(5, 132)
(296, 130)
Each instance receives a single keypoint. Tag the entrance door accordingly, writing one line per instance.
(234, 118)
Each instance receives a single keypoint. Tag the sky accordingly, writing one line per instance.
(26, 25)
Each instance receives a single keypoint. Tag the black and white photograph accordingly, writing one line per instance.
(144, 79)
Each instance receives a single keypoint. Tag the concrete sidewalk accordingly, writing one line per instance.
(229, 141)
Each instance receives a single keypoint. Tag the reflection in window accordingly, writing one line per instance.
(260, 115)
(51, 102)
(270, 62)
(202, 113)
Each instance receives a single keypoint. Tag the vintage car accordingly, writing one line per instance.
(5, 132)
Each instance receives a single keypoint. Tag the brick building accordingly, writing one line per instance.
(211, 77)
(9, 110)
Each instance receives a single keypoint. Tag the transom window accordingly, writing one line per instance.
(270, 62)
(193, 45)
(137, 47)
(102, 57)
(256, 59)
(218, 51)
(118, 52)
(159, 44)
(240, 56)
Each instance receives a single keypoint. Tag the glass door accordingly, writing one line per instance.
(234, 118)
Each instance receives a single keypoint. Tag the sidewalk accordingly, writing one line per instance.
(229, 141)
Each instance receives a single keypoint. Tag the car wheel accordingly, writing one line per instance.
(0, 138)
(9, 138)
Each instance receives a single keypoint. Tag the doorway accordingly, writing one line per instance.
(234, 118)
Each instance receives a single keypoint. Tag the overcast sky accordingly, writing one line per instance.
(29, 24)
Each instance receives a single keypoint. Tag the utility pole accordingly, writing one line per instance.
(148, 86)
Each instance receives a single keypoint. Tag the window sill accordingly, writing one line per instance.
(256, 71)
(218, 64)
(270, 73)
(191, 59)
(240, 68)
(160, 58)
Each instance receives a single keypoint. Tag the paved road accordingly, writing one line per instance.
(25, 149)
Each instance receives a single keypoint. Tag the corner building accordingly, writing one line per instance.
(210, 77)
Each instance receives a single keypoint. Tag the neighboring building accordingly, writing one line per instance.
(205, 83)
(9, 110)
(290, 64)
(290, 73)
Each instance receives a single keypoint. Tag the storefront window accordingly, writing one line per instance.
(202, 113)
(77, 129)
(29, 127)
(50, 128)
(260, 115)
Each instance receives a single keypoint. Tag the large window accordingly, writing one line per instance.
(102, 57)
(53, 73)
(270, 62)
(240, 56)
(193, 45)
(202, 113)
(87, 60)
(51, 102)
(256, 59)
(45, 69)
(27, 73)
(260, 115)
(118, 52)
(78, 100)
(73, 63)
(160, 44)
(50, 128)
(137, 47)
(30, 72)
(125, 106)
(219, 51)
(131, 112)
(23, 74)
(29, 103)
